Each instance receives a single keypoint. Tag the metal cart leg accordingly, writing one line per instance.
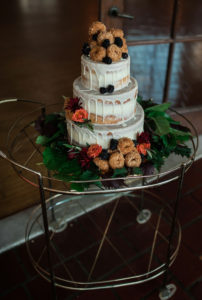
(144, 214)
(47, 239)
(168, 290)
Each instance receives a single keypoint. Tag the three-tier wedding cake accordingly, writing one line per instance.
(104, 104)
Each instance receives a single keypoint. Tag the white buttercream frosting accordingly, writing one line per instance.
(98, 74)
(120, 104)
(102, 134)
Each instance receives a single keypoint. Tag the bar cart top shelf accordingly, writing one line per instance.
(26, 156)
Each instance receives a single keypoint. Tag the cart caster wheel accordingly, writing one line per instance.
(143, 216)
(168, 291)
(57, 227)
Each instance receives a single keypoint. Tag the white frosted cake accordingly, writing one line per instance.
(106, 94)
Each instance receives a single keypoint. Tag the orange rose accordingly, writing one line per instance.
(80, 115)
(142, 148)
(94, 150)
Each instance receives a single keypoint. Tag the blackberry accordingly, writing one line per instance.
(94, 37)
(118, 41)
(103, 90)
(113, 144)
(106, 43)
(107, 60)
(85, 45)
(110, 88)
(135, 142)
(86, 49)
(104, 154)
(124, 55)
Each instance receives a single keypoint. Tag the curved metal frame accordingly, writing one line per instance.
(103, 284)
(144, 185)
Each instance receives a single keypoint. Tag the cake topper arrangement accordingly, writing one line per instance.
(108, 131)
(105, 45)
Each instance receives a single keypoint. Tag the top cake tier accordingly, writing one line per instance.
(95, 75)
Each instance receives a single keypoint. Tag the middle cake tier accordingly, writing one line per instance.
(102, 134)
(108, 108)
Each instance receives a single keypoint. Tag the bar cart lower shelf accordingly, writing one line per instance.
(105, 247)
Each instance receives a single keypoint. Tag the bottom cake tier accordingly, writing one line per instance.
(102, 134)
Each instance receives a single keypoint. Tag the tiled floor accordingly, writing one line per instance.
(19, 280)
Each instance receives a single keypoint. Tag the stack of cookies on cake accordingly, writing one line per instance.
(104, 110)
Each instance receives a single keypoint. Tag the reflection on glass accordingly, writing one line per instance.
(186, 77)
(148, 66)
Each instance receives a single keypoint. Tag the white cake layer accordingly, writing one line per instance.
(98, 74)
(108, 108)
(102, 134)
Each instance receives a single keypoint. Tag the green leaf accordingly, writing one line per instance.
(162, 125)
(181, 134)
(120, 172)
(70, 167)
(137, 171)
(80, 187)
(52, 159)
(50, 118)
(62, 127)
(182, 150)
(42, 140)
(159, 107)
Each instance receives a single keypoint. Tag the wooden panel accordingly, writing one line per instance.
(189, 21)
(151, 18)
(40, 58)
(42, 40)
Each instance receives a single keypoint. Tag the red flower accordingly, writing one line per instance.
(94, 150)
(84, 159)
(71, 154)
(80, 115)
(144, 137)
(142, 148)
(73, 104)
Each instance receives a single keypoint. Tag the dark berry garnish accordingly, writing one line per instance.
(135, 142)
(103, 90)
(110, 88)
(107, 60)
(94, 37)
(113, 144)
(86, 49)
(85, 45)
(124, 55)
(105, 43)
(104, 154)
(118, 41)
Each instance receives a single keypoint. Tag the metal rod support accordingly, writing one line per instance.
(179, 192)
(47, 238)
